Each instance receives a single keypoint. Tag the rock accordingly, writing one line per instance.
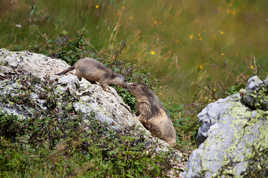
(30, 88)
(212, 113)
(255, 95)
(108, 106)
(266, 82)
(234, 136)
(254, 83)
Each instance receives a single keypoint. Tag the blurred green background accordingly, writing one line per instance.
(186, 45)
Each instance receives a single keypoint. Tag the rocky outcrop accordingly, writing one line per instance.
(108, 106)
(30, 88)
(233, 135)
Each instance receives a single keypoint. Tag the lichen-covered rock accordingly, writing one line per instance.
(30, 88)
(108, 106)
(254, 83)
(266, 82)
(235, 139)
(255, 95)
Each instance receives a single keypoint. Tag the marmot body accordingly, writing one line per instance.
(93, 70)
(151, 113)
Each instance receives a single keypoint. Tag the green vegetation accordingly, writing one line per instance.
(189, 52)
(59, 142)
(61, 148)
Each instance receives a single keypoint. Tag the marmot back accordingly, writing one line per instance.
(151, 113)
(92, 70)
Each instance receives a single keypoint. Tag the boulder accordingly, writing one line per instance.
(108, 106)
(233, 136)
(255, 95)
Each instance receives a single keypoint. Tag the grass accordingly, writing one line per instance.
(189, 52)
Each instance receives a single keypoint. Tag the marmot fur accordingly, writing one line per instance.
(93, 70)
(151, 113)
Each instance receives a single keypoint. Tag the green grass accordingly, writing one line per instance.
(41, 148)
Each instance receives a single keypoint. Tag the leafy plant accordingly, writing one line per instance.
(234, 89)
(70, 49)
(129, 99)
(186, 127)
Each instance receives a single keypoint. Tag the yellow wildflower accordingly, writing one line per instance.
(97, 6)
(152, 52)
(222, 54)
(233, 12)
(214, 89)
(191, 36)
(199, 36)
(251, 67)
(221, 32)
(201, 67)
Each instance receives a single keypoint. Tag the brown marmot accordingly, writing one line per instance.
(151, 113)
(93, 70)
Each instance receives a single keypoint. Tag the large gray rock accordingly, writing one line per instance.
(235, 138)
(108, 106)
(26, 77)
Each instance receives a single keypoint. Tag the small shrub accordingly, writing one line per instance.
(234, 89)
(65, 47)
(128, 98)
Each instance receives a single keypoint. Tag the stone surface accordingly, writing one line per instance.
(254, 83)
(26, 77)
(108, 106)
(234, 138)
(255, 95)
(266, 81)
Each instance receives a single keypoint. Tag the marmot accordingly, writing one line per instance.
(93, 70)
(151, 113)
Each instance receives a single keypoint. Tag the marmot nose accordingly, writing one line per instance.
(128, 85)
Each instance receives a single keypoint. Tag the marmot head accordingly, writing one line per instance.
(141, 90)
(118, 79)
(136, 89)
